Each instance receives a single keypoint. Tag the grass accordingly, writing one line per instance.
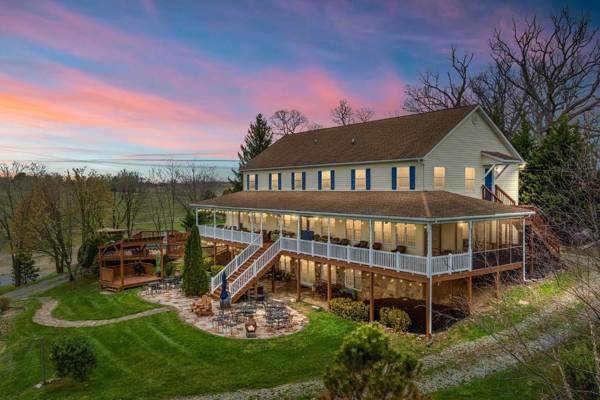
(161, 357)
(85, 301)
(9, 288)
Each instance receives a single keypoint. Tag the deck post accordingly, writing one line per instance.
(470, 235)
(273, 279)
(497, 284)
(298, 288)
(214, 220)
(371, 301)
(251, 216)
(523, 252)
(298, 234)
(370, 243)
(329, 238)
(429, 282)
(122, 267)
(328, 285)
(469, 293)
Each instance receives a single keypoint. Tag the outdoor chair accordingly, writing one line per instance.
(344, 242)
(317, 238)
(363, 244)
(377, 246)
(336, 240)
(399, 249)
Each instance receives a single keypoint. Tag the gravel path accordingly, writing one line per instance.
(36, 288)
(43, 316)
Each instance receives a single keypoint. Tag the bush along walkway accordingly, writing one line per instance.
(43, 316)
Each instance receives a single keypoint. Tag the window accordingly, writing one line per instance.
(298, 181)
(290, 223)
(327, 225)
(326, 180)
(406, 234)
(403, 178)
(439, 178)
(353, 231)
(353, 279)
(469, 179)
(252, 182)
(274, 181)
(382, 232)
(361, 179)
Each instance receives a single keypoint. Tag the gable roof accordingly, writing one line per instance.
(399, 138)
(421, 206)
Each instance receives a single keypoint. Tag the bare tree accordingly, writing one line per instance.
(128, 192)
(287, 122)
(436, 93)
(163, 202)
(557, 70)
(91, 194)
(342, 114)
(364, 114)
(194, 183)
(311, 126)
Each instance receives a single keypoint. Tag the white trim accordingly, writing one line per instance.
(304, 166)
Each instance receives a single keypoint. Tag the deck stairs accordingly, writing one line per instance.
(543, 245)
(244, 273)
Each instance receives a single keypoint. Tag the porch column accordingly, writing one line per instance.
(214, 219)
(329, 239)
(370, 243)
(298, 280)
(281, 225)
(261, 225)
(497, 284)
(469, 293)
(371, 301)
(523, 252)
(328, 285)
(298, 234)
(251, 216)
(429, 283)
(470, 234)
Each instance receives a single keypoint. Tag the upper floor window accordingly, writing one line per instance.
(439, 178)
(383, 232)
(298, 181)
(469, 179)
(326, 180)
(406, 234)
(403, 178)
(251, 182)
(275, 181)
(290, 223)
(361, 179)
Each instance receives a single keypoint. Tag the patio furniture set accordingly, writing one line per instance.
(276, 316)
(163, 285)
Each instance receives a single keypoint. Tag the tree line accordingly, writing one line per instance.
(52, 213)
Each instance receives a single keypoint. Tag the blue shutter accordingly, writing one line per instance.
(279, 181)
(303, 180)
(353, 179)
(293, 185)
(248, 182)
(255, 181)
(332, 179)
(319, 177)
(270, 182)
(394, 178)
(368, 173)
(412, 171)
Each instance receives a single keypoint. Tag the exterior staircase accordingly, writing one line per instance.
(543, 246)
(247, 273)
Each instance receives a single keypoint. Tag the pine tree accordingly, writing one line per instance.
(523, 141)
(24, 269)
(195, 278)
(259, 137)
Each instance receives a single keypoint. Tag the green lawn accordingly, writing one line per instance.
(85, 301)
(160, 357)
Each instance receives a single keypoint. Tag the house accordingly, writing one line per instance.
(410, 206)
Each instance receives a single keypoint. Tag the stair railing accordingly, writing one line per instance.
(504, 197)
(237, 262)
(256, 267)
(487, 194)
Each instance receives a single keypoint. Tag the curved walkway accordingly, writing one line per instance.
(39, 287)
(43, 316)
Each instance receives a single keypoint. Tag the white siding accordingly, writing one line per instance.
(462, 148)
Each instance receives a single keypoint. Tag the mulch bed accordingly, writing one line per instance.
(443, 316)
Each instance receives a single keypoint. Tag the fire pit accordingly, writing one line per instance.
(250, 326)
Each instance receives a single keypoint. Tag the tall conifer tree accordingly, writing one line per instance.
(259, 137)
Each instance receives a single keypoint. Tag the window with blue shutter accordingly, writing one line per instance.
(368, 173)
(279, 181)
(353, 179)
(293, 180)
(303, 180)
(394, 178)
(332, 179)
(319, 180)
(247, 182)
(255, 181)
(412, 171)
(270, 182)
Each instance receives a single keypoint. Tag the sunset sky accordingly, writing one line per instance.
(109, 82)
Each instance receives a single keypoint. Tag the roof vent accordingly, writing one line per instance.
(315, 141)
(352, 140)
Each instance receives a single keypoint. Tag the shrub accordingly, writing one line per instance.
(4, 304)
(349, 309)
(170, 268)
(73, 356)
(368, 367)
(215, 269)
(394, 318)
(195, 276)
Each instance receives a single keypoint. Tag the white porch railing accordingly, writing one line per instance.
(384, 259)
(258, 264)
(450, 263)
(227, 234)
(237, 262)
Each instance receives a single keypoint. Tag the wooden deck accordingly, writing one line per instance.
(129, 282)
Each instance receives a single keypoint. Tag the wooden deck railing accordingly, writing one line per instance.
(487, 194)
(503, 196)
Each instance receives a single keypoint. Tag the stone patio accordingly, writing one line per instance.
(175, 299)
